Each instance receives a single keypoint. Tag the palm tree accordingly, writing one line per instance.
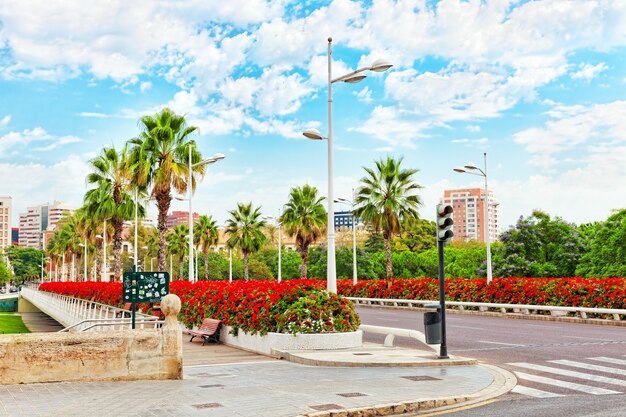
(69, 237)
(110, 199)
(205, 235)
(160, 160)
(245, 231)
(387, 195)
(178, 244)
(304, 217)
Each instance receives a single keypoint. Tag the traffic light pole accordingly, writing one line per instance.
(443, 349)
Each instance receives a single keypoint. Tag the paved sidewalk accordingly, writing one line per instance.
(268, 388)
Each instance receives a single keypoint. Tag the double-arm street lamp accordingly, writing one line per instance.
(378, 65)
(470, 169)
(351, 203)
(211, 160)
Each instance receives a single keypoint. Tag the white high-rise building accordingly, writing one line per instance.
(469, 214)
(5, 222)
(37, 220)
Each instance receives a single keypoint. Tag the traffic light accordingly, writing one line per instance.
(444, 223)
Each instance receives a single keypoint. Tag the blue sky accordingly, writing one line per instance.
(540, 86)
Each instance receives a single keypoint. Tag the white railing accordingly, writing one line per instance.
(70, 311)
(391, 332)
(580, 312)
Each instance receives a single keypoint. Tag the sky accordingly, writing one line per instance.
(540, 86)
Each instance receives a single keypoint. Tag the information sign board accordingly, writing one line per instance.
(145, 287)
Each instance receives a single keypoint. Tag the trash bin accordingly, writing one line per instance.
(432, 324)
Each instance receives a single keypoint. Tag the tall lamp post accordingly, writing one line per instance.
(279, 243)
(469, 169)
(84, 246)
(211, 160)
(344, 200)
(378, 65)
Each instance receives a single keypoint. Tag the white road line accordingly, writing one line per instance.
(589, 338)
(573, 374)
(499, 343)
(613, 361)
(532, 392)
(564, 384)
(467, 327)
(599, 368)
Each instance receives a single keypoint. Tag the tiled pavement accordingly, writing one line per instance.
(264, 388)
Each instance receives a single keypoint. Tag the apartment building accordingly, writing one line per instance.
(5, 222)
(37, 220)
(180, 217)
(469, 213)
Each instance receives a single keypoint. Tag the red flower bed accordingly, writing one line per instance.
(575, 292)
(254, 306)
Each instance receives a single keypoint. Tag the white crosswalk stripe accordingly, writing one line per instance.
(541, 386)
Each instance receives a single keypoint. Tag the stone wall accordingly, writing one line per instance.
(93, 356)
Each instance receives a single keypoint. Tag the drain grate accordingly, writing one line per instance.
(207, 405)
(326, 407)
(362, 354)
(353, 394)
(421, 378)
(211, 386)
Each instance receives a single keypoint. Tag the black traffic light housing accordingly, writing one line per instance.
(444, 223)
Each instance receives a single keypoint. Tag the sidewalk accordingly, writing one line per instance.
(253, 385)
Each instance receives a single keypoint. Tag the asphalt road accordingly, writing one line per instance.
(559, 366)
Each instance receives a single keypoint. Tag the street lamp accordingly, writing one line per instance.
(378, 65)
(104, 255)
(84, 246)
(469, 169)
(346, 201)
(211, 160)
(279, 244)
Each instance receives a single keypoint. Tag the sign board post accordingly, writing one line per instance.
(144, 287)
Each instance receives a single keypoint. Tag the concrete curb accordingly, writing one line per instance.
(503, 382)
(372, 362)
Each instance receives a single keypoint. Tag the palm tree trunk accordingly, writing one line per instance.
(163, 204)
(387, 237)
(245, 266)
(304, 255)
(118, 226)
(98, 265)
(180, 267)
(206, 264)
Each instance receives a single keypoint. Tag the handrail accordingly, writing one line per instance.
(149, 319)
(156, 323)
(517, 308)
(392, 332)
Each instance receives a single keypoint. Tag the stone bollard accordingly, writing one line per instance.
(170, 307)
(172, 336)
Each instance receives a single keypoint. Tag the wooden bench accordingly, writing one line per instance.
(209, 330)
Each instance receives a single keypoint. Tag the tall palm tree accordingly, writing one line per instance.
(160, 161)
(304, 217)
(110, 199)
(245, 231)
(205, 235)
(69, 238)
(178, 244)
(387, 195)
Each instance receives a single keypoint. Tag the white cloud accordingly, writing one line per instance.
(14, 140)
(92, 114)
(5, 120)
(365, 95)
(145, 86)
(588, 72)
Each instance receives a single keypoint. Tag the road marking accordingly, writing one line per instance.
(564, 384)
(467, 327)
(500, 343)
(590, 338)
(532, 392)
(573, 374)
(614, 361)
(605, 369)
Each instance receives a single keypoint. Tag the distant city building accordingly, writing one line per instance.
(469, 214)
(5, 222)
(180, 217)
(343, 219)
(37, 220)
(15, 236)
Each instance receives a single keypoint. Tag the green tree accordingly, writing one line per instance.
(375, 243)
(606, 255)
(160, 161)
(304, 217)
(5, 273)
(538, 246)
(387, 195)
(205, 235)
(111, 199)
(417, 235)
(245, 231)
(178, 244)
(26, 262)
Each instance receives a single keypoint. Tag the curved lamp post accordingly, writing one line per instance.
(211, 160)
(469, 169)
(378, 65)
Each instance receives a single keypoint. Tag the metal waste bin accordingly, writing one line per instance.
(432, 324)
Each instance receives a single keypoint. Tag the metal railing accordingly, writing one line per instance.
(119, 323)
(71, 311)
(581, 312)
(391, 332)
